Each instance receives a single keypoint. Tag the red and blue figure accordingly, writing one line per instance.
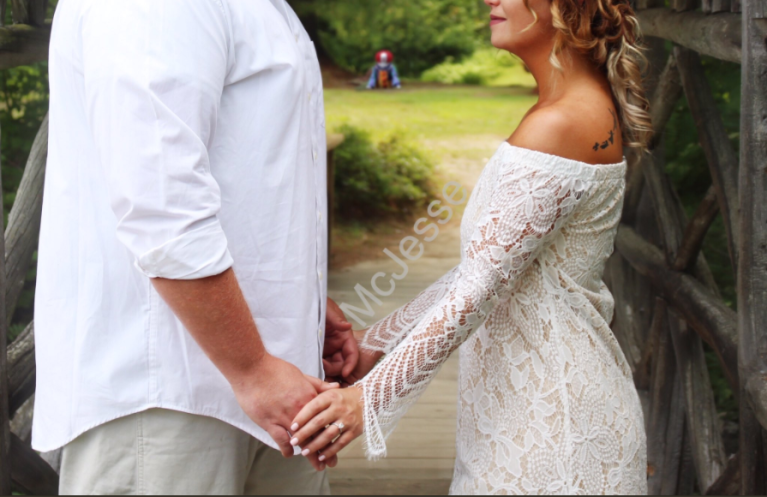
(384, 73)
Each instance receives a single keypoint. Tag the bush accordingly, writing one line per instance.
(487, 66)
(421, 33)
(379, 181)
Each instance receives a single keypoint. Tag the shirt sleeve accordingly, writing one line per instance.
(154, 74)
(528, 207)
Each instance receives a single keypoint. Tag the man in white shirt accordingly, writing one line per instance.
(181, 293)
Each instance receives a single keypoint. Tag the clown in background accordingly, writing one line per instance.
(384, 73)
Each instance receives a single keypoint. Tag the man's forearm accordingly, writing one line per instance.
(269, 390)
(216, 314)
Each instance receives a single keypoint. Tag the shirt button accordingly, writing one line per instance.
(314, 154)
(319, 332)
(320, 273)
(319, 214)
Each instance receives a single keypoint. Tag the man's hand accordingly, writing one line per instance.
(270, 390)
(272, 395)
(367, 361)
(341, 352)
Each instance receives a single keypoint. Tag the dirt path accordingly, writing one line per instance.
(421, 451)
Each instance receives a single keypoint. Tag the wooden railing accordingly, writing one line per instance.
(667, 304)
(333, 141)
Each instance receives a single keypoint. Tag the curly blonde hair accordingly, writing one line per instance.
(607, 32)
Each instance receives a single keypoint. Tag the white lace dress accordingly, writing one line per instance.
(547, 403)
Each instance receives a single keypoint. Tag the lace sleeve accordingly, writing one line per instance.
(527, 207)
(391, 330)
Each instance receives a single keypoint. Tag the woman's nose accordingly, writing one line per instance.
(492, 3)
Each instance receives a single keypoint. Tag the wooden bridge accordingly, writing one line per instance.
(667, 303)
(421, 451)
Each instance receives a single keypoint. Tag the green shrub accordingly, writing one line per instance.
(372, 181)
(487, 66)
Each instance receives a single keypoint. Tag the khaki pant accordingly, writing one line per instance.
(169, 452)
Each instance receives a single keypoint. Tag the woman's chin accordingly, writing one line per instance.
(497, 42)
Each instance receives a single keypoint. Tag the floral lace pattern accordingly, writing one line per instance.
(547, 402)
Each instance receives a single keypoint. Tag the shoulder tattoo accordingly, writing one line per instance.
(611, 134)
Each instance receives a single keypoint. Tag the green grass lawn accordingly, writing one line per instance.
(430, 112)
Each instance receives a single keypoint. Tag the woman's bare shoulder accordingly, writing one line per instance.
(572, 131)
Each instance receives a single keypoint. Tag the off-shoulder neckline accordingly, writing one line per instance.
(550, 157)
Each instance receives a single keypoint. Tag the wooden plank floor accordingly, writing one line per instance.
(421, 451)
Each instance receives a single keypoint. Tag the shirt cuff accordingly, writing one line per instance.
(196, 254)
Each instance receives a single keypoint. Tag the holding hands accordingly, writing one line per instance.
(334, 418)
(329, 423)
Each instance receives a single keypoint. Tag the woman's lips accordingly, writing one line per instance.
(496, 20)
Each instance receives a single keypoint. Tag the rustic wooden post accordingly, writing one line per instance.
(24, 220)
(703, 433)
(5, 427)
(37, 11)
(682, 5)
(333, 141)
(19, 11)
(721, 158)
(752, 270)
(21, 369)
(717, 36)
(720, 5)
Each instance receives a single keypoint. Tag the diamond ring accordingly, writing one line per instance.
(340, 427)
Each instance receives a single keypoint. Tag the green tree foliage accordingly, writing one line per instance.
(420, 33)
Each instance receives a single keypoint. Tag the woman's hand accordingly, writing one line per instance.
(313, 428)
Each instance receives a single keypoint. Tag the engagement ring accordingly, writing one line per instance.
(340, 427)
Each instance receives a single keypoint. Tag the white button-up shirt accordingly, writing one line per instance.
(186, 137)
